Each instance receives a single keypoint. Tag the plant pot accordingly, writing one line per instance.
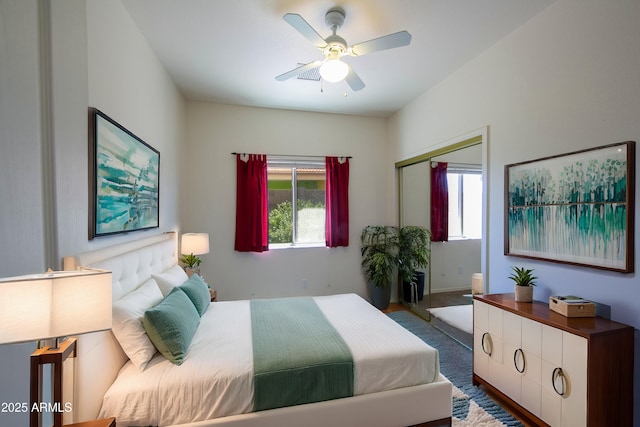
(524, 293)
(407, 289)
(380, 296)
(191, 271)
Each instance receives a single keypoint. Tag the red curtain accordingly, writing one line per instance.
(439, 203)
(252, 205)
(337, 202)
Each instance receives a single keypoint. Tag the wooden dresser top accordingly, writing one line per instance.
(540, 312)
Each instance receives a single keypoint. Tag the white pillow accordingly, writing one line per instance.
(171, 278)
(127, 326)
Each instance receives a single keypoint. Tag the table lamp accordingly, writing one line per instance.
(53, 306)
(191, 245)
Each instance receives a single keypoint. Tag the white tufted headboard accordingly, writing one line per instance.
(99, 356)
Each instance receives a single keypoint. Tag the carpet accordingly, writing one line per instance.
(471, 405)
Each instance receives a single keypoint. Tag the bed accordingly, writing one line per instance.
(386, 389)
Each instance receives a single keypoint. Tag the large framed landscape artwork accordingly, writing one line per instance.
(124, 179)
(576, 208)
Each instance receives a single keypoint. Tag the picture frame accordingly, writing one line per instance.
(575, 208)
(124, 179)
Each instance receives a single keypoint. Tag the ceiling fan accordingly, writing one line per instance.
(332, 69)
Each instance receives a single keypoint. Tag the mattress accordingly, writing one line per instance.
(216, 377)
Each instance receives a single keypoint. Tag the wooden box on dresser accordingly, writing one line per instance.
(558, 371)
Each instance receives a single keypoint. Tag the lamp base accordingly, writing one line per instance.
(56, 357)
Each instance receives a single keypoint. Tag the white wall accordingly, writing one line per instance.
(565, 81)
(21, 176)
(128, 83)
(69, 135)
(21, 210)
(453, 263)
(214, 131)
(57, 59)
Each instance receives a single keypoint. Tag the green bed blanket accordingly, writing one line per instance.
(298, 356)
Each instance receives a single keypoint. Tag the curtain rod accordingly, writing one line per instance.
(293, 155)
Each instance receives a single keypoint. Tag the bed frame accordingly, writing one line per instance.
(99, 359)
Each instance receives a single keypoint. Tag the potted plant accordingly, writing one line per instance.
(379, 250)
(413, 253)
(191, 264)
(524, 281)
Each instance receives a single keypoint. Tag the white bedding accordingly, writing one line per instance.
(216, 378)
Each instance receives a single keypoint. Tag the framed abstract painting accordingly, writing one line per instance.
(576, 208)
(124, 179)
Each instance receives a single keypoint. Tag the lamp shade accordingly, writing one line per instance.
(53, 305)
(195, 243)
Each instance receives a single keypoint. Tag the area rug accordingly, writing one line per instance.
(471, 405)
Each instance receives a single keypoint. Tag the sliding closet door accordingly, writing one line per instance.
(415, 210)
(448, 277)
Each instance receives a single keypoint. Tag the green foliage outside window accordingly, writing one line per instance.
(281, 223)
(281, 220)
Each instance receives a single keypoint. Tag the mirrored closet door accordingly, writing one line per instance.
(457, 261)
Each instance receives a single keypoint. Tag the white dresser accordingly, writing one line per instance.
(555, 370)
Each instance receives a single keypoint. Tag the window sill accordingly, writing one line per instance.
(279, 246)
(458, 239)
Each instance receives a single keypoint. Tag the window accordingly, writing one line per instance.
(465, 202)
(296, 202)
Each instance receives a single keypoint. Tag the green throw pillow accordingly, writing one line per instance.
(198, 292)
(171, 325)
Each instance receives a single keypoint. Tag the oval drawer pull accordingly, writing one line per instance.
(558, 373)
(515, 360)
(484, 336)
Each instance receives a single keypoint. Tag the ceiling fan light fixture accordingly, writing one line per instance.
(334, 70)
(334, 47)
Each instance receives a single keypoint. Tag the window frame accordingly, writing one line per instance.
(462, 170)
(295, 162)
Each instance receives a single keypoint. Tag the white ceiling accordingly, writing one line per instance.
(229, 51)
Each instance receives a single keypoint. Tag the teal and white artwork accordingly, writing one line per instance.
(574, 208)
(126, 180)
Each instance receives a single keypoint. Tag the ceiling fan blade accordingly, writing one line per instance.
(390, 41)
(303, 27)
(299, 70)
(354, 81)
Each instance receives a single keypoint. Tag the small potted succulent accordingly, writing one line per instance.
(191, 264)
(524, 281)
